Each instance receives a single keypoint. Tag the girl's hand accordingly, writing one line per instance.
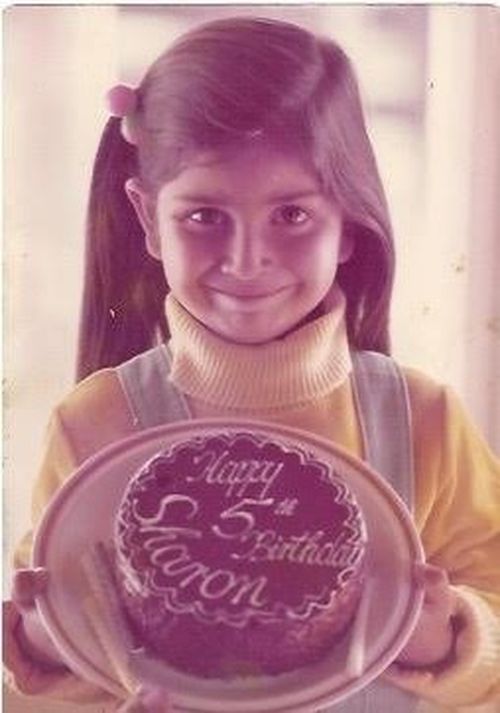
(432, 640)
(34, 639)
(147, 699)
(26, 585)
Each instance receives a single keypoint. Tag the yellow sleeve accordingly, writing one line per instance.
(58, 463)
(71, 436)
(91, 417)
(462, 530)
(458, 513)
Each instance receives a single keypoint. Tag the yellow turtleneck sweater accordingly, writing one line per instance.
(303, 380)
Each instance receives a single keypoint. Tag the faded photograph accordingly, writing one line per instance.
(290, 187)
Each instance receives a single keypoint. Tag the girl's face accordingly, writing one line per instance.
(249, 243)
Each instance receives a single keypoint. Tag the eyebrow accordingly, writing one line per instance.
(226, 199)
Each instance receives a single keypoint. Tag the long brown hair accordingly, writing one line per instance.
(224, 83)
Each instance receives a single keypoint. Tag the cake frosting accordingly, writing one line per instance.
(238, 554)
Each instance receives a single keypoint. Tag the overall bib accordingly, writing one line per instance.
(384, 415)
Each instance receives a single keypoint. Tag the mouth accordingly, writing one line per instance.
(251, 289)
(250, 297)
(243, 293)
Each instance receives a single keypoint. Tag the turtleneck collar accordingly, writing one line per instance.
(306, 364)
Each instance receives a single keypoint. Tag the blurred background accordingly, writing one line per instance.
(431, 83)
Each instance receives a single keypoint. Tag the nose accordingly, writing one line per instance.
(247, 253)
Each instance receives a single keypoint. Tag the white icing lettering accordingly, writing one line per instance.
(308, 549)
(232, 502)
(165, 558)
(174, 561)
(166, 502)
(246, 585)
(238, 519)
(198, 571)
(237, 476)
(209, 588)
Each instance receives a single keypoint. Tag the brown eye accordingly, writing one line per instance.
(207, 216)
(291, 215)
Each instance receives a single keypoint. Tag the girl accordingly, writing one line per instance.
(238, 182)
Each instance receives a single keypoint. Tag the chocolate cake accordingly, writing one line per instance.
(239, 555)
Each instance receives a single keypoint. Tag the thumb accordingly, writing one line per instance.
(429, 574)
(439, 597)
(155, 699)
(434, 581)
(26, 585)
(148, 699)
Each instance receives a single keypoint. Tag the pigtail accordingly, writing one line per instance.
(124, 288)
(367, 281)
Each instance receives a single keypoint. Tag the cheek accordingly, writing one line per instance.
(185, 256)
(315, 256)
(174, 258)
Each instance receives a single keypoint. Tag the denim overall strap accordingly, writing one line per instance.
(383, 407)
(152, 398)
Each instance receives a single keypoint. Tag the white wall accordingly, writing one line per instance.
(451, 323)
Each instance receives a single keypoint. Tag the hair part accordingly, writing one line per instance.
(222, 84)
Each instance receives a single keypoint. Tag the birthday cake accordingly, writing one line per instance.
(238, 554)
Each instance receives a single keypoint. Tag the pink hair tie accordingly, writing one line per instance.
(122, 100)
(122, 103)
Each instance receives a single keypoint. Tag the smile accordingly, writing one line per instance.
(247, 297)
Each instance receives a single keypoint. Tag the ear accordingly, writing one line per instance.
(145, 209)
(346, 248)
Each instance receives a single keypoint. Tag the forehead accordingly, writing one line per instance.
(254, 167)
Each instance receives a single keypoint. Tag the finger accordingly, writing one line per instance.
(147, 699)
(433, 579)
(393, 674)
(155, 699)
(26, 585)
(429, 574)
(439, 597)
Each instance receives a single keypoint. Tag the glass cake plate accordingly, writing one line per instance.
(82, 514)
